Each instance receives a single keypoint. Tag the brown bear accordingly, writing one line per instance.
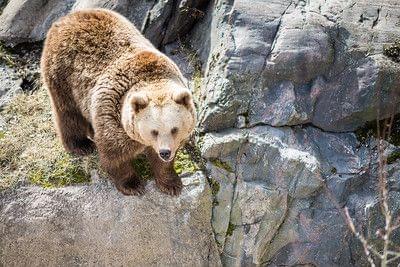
(111, 89)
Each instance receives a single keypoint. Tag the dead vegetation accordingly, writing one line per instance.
(29, 149)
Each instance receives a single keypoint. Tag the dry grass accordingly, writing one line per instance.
(6, 57)
(30, 150)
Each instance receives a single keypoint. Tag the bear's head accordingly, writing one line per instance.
(162, 117)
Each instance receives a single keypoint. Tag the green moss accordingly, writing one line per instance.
(30, 149)
(215, 202)
(230, 229)
(395, 135)
(184, 163)
(365, 132)
(370, 130)
(215, 186)
(392, 51)
(65, 171)
(221, 164)
(6, 57)
(142, 167)
(197, 81)
(393, 157)
(2, 134)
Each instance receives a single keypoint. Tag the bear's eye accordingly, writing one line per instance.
(154, 133)
(174, 130)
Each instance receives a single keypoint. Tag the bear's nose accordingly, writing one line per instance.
(165, 154)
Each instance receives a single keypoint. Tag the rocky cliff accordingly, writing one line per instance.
(286, 92)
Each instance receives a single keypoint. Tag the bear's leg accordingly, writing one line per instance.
(167, 181)
(72, 127)
(74, 131)
(123, 175)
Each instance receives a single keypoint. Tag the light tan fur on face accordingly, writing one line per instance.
(169, 107)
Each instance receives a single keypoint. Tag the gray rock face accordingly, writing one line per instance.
(289, 63)
(161, 21)
(9, 85)
(23, 21)
(96, 225)
(273, 206)
(317, 64)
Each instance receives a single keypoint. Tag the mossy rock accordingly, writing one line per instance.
(215, 186)
(370, 130)
(393, 157)
(184, 162)
(6, 56)
(222, 165)
(230, 229)
(142, 167)
(64, 171)
(392, 51)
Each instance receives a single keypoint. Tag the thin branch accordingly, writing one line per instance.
(392, 259)
(360, 237)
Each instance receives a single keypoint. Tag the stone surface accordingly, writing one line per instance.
(96, 225)
(10, 84)
(286, 63)
(161, 21)
(277, 193)
(285, 82)
(22, 21)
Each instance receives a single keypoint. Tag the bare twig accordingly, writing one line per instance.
(367, 248)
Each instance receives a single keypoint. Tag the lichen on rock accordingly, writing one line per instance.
(184, 162)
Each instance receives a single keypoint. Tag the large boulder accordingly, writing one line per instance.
(285, 84)
(23, 21)
(276, 193)
(96, 225)
(161, 21)
(289, 63)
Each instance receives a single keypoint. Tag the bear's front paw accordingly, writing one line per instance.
(131, 187)
(170, 187)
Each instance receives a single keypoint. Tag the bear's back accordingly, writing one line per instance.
(80, 46)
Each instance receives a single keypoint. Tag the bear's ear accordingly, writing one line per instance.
(183, 97)
(139, 100)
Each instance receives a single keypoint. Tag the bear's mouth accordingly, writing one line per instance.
(167, 160)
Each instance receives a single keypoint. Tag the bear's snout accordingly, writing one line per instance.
(165, 154)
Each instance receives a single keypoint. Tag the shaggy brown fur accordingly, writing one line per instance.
(91, 61)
